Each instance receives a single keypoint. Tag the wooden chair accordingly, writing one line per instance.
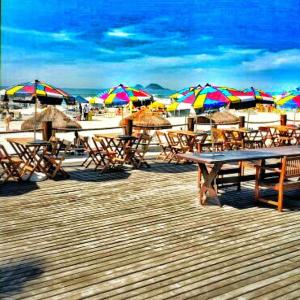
(141, 147)
(12, 166)
(92, 152)
(54, 158)
(200, 142)
(176, 146)
(285, 136)
(216, 141)
(268, 137)
(164, 144)
(279, 179)
(233, 139)
(109, 157)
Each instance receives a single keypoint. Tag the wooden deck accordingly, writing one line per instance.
(141, 234)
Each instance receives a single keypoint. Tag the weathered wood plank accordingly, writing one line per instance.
(143, 235)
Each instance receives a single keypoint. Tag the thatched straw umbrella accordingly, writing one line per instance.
(219, 117)
(51, 113)
(144, 118)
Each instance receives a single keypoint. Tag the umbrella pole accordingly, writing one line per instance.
(211, 133)
(35, 111)
(248, 119)
(35, 108)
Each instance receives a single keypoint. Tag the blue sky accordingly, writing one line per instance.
(96, 44)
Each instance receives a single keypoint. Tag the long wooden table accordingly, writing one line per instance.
(218, 159)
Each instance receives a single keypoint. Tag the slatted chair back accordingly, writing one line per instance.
(173, 138)
(291, 166)
(164, 144)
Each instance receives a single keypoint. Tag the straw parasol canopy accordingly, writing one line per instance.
(146, 118)
(219, 117)
(51, 113)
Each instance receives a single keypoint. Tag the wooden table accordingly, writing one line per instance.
(31, 152)
(218, 159)
(191, 138)
(248, 138)
(117, 143)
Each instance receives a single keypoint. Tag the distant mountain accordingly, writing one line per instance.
(154, 86)
(138, 87)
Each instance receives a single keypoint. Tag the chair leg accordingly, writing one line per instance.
(280, 199)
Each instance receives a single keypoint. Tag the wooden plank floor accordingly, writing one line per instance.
(140, 234)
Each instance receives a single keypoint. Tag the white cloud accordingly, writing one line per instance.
(119, 33)
(274, 60)
(57, 36)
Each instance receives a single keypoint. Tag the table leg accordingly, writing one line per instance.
(208, 187)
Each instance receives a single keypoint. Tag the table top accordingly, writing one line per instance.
(116, 136)
(29, 142)
(242, 130)
(241, 155)
(191, 133)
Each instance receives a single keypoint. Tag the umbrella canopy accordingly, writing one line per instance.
(80, 99)
(259, 95)
(156, 105)
(96, 100)
(290, 101)
(45, 93)
(183, 92)
(122, 95)
(205, 98)
(51, 113)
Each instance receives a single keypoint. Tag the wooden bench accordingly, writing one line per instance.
(290, 168)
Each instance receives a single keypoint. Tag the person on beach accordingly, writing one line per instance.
(80, 111)
(86, 110)
(8, 118)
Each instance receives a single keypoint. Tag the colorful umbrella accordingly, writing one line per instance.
(259, 95)
(80, 99)
(45, 93)
(205, 98)
(290, 101)
(122, 95)
(30, 92)
(183, 92)
(96, 100)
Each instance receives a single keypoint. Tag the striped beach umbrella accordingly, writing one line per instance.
(122, 95)
(45, 93)
(31, 92)
(290, 101)
(183, 92)
(210, 97)
(259, 95)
